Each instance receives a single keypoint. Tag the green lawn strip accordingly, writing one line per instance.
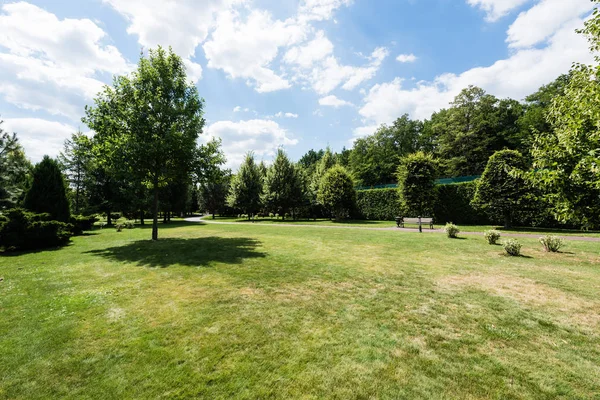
(220, 311)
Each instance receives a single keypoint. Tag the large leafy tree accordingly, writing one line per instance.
(280, 192)
(566, 158)
(416, 183)
(336, 192)
(148, 122)
(502, 192)
(47, 193)
(375, 158)
(247, 187)
(14, 169)
(75, 159)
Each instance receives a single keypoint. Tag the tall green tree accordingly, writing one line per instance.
(75, 161)
(502, 192)
(148, 122)
(14, 169)
(247, 187)
(47, 193)
(416, 183)
(336, 192)
(280, 181)
(566, 158)
(213, 193)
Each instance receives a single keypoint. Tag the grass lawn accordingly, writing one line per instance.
(239, 311)
(392, 224)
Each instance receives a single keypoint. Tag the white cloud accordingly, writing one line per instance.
(290, 115)
(306, 55)
(245, 49)
(333, 101)
(542, 20)
(39, 137)
(258, 135)
(281, 114)
(55, 72)
(517, 76)
(496, 9)
(327, 76)
(319, 10)
(406, 58)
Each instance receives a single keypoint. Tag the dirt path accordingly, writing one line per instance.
(516, 235)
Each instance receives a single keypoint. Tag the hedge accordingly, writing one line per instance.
(378, 204)
(22, 230)
(452, 204)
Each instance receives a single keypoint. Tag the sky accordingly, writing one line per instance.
(297, 74)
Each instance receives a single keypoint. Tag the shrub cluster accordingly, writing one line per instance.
(125, 225)
(551, 243)
(22, 230)
(82, 223)
(492, 236)
(451, 230)
(512, 247)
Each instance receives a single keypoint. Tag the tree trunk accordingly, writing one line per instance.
(142, 217)
(108, 218)
(155, 209)
(213, 214)
(507, 222)
(169, 216)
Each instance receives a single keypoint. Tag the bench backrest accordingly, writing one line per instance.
(416, 220)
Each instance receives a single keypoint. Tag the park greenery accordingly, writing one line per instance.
(303, 287)
(524, 163)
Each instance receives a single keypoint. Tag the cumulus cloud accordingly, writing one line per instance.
(53, 72)
(258, 135)
(309, 53)
(406, 58)
(496, 9)
(333, 101)
(542, 20)
(517, 76)
(39, 137)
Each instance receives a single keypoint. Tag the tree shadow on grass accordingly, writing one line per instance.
(195, 252)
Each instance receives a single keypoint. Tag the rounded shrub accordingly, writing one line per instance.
(512, 247)
(336, 192)
(492, 236)
(551, 243)
(451, 230)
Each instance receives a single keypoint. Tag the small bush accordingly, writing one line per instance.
(512, 247)
(451, 230)
(551, 243)
(81, 223)
(492, 236)
(129, 224)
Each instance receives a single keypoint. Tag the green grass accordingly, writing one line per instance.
(392, 224)
(239, 311)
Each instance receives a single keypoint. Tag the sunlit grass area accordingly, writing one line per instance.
(392, 224)
(251, 311)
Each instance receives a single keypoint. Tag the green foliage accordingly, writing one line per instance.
(375, 159)
(501, 191)
(47, 193)
(492, 236)
(378, 204)
(453, 204)
(247, 187)
(336, 192)
(416, 183)
(28, 231)
(566, 158)
(147, 124)
(14, 170)
(283, 186)
(75, 160)
(551, 243)
(82, 223)
(512, 247)
(451, 230)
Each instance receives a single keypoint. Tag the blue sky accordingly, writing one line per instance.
(300, 74)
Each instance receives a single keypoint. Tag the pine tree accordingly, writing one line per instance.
(47, 193)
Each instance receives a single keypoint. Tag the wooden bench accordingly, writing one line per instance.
(400, 221)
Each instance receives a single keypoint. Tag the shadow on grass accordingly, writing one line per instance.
(196, 252)
(556, 231)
